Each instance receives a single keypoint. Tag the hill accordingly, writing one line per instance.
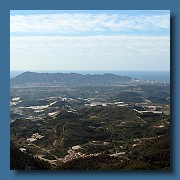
(71, 79)
(128, 97)
(24, 161)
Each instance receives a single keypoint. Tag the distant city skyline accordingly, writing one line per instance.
(90, 40)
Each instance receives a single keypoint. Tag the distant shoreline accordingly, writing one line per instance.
(146, 75)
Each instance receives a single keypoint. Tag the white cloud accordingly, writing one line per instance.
(87, 22)
(90, 52)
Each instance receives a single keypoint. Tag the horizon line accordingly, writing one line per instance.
(86, 70)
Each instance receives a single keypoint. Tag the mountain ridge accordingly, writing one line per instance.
(69, 79)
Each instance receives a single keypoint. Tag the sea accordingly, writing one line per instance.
(144, 75)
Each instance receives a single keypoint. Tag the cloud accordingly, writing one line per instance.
(64, 23)
(90, 52)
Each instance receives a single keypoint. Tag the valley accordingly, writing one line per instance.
(116, 124)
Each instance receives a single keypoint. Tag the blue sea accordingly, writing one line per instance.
(145, 75)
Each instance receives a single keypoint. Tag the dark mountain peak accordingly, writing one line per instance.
(27, 72)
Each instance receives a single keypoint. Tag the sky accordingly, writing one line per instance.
(90, 40)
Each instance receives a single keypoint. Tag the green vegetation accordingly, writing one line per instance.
(23, 161)
(132, 120)
(128, 97)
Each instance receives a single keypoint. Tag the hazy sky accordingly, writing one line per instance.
(90, 40)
